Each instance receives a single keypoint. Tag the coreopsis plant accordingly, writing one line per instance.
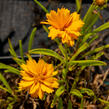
(57, 76)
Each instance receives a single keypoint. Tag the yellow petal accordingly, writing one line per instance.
(53, 33)
(54, 73)
(40, 93)
(46, 89)
(25, 84)
(55, 84)
(33, 88)
(24, 67)
(32, 65)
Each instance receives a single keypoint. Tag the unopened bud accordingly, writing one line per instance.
(100, 2)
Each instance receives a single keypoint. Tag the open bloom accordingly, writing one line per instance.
(37, 78)
(64, 25)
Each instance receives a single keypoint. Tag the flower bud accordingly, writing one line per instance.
(100, 2)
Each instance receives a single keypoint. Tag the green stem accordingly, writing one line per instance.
(81, 106)
(77, 77)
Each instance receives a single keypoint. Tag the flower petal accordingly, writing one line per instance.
(25, 84)
(46, 89)
(40, 93)
(34, 87)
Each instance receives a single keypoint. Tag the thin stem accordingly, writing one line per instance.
(77, 77)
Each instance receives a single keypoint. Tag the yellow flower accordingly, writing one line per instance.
(64, 25)
(37, 78)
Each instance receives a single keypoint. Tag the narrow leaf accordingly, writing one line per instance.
(5, 83)
(88, 91)
(85, 38)
(87, 63)
(81, 49)
(13, 53)
(102, 27)
(60, 104)
(103, 101)
(31, 38)
(48, 52)
(53, 101)
(76, 93)
(45, 28)
(3, 88)
(89, 18)
(69, 104)
(93, 21)
(92, 39)
(107, 107)
(82, 103)
(78, 5)
(60, 90)
(37, 2)
(21, 49)
(96, 50)
(10, 68)
(98, 55)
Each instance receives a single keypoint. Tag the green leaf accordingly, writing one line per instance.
(89, 12)
(102, 27)
(69, 104)
(92, 39)
(76, 93)
(21, 49)
(45, 28)
(87, 63)
(60, 90)
(63, 50)
(64, 73)
(93, 21)
(98, 55)
(85, 38)
(3, 88)
(96, 50)
(107, 107)
(31, 38)
(10, 106)
(78, 5)
(82, 103)
(48, 52)
(9, 68)
(89, 19)
(81, 49)
(60, 104)
(88, 91)
(37, 2)
(18, 61)
(13, 53)
(53, 101)
(6, 84)
(103, 101)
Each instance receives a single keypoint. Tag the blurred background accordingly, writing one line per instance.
(18, 17)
